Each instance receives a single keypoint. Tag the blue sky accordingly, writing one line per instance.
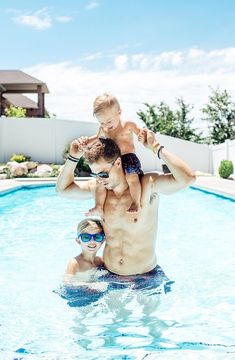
(141, 50)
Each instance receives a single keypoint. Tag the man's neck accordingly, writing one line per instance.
(122, 186)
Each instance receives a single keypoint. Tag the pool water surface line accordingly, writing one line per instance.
(34, 186)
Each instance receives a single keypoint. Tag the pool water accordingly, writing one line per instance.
(195, 248)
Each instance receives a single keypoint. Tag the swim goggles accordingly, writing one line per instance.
(85, 237)
(103, 174)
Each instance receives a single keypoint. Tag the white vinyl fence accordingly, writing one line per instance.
(225, 151)
(44, 140)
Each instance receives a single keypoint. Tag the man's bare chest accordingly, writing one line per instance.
(117, 204)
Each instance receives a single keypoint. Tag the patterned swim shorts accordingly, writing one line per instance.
(131, 164)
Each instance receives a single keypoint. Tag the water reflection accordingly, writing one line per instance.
(123, 316)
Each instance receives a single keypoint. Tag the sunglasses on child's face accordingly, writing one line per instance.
(98, 237)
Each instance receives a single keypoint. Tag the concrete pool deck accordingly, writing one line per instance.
(209, 183)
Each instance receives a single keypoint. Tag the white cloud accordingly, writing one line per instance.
(195, 53)
(64, 19)
(92, 5)
(191, 61)
(73, 89)
(39, 20)
(120, 62)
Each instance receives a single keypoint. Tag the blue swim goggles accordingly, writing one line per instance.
(98, 237)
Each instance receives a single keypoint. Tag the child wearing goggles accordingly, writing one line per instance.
(90, 236)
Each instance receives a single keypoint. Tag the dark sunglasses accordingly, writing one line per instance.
(99, 237)
(103, 174)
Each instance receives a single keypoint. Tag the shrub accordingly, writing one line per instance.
(55, 170)
(225, 168)
(19, 158)
(14, 111)
(82, 166)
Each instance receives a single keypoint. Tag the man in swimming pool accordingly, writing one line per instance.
(130, 238)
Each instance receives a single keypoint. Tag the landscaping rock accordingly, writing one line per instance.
(17, 169)
(30, 164)
(2, 169)
(43, 170)
(3, 176)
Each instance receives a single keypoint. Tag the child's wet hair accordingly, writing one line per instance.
(104, 102)
(85, 223)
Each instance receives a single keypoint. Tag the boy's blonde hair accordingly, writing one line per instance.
(104, 102)
(85, 223)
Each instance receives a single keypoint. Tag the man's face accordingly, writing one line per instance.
(110, 118)
(102, 167)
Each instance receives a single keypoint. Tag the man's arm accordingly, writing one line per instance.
(181, 175)
(66, 185)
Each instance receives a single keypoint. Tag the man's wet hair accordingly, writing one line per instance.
(102, 148)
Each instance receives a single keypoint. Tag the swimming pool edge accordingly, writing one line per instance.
(212, 191)
(12, 185)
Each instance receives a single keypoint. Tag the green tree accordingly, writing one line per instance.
(14, 111)
(168, 122)
(184, 127)
(158, 118)
(220, 113)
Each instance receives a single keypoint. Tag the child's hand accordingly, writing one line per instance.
(78, 146)
(151, 141)
(142, 136)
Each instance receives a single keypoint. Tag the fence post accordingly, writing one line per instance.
(211, 159)
(227, 149)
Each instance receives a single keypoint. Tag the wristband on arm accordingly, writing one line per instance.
(158, 152)
(72, 158)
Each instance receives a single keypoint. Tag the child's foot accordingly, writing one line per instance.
(97, 210)
(134, 208)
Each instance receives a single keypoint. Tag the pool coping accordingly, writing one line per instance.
(202, 183)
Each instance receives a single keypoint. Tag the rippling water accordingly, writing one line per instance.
(195, 320)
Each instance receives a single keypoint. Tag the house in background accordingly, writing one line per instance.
(15, 83)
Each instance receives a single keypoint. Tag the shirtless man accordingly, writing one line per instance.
(130, 238)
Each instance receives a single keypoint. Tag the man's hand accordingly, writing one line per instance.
(78, 146)
(142, 136)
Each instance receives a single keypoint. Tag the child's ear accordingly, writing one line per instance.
(119, 111)
(78, 241)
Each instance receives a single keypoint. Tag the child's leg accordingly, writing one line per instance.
(135, 191)
(100, 196)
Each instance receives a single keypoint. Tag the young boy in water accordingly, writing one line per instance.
(90, 236)
(107, 110)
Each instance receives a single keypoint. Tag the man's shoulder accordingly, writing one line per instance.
(149, 177)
